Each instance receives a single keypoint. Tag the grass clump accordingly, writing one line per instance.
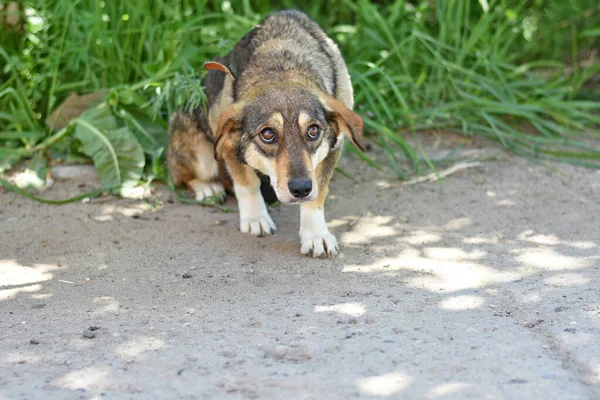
(516, 71)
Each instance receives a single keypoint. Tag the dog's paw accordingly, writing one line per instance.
(204, 190)
(319, 245)
(262, 225)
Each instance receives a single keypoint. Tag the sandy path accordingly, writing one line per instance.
(487, 286)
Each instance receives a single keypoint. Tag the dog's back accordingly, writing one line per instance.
(285, 41)
(288, 41)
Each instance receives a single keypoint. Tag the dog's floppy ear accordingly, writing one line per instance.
(348, 122)
(228, 121)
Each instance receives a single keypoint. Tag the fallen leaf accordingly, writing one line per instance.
(11, 15)
(73, 107)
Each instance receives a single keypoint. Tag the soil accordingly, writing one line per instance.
(485, 285)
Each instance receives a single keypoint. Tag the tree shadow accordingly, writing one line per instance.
(483, 286)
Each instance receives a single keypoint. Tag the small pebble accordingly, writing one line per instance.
(89, 334)
(349, 334)
(34, 341)
(517, 380)
(571, 330)
(41, 305)
(534, 323)
(187, 275)
(281, 351)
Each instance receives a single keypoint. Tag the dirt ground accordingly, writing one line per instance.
(485, 286)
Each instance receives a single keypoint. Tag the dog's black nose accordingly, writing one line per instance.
(300, 188)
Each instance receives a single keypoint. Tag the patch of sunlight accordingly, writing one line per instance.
(462, 302)
(494, 239)
(447, 389)
(458, 223)
(581, 245)
(552, 240)
(352, 309)
(102, 218)
(380, 265)
(384, 385)
(368, 228)
(505, 203)
(12, 273)
(26, 279)
(107, 304)
(452, 254)
(336, 223)
(41, 296)
(87, 378)
(550, 260)
(6, 294)
(437, 275)
(564, 280)
(454, 276)
(134, 349)
(421, 237)
(534, 297)
(20, 358)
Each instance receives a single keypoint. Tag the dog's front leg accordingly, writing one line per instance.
(315, 239)
(254, 217)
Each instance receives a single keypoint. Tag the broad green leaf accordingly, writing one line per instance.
(118, 156)
(151, 134)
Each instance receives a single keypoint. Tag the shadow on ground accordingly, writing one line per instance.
(482, 287)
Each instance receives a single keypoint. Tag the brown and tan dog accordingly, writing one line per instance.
(280, 104)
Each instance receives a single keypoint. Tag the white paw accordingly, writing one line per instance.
(262, 225)
(319, 245)
(205, 190)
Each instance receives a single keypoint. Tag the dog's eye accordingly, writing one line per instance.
(267, 135)
(313, 132)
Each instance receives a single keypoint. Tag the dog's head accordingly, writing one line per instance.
(285, 131)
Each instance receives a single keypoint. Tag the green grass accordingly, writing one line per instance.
(513, 71)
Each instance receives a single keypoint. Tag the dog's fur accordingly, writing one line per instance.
(288, 76)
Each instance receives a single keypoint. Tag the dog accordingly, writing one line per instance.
(279, 106)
